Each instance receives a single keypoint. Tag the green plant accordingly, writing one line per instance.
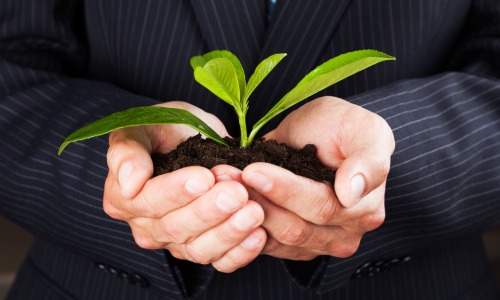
(221, 72)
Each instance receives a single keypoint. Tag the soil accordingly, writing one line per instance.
(197, 151)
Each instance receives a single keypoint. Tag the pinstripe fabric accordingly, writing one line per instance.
(64, 64)
(48, 274)
(43, 267)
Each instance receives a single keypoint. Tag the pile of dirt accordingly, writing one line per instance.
(197, 151)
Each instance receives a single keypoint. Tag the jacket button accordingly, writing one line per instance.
(388, 266)
(139, 280)
(113, 271)
(101, 266)
(123, 275)
(405, 259)
(378, 266)
(366, 265)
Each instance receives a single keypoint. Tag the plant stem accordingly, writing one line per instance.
(251, 137)
(243, 128)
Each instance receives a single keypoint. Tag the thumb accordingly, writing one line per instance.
(129, 159)
(359, 174)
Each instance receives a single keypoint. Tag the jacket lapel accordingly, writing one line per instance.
(301, 29)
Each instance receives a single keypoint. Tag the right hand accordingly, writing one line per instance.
(188, 212)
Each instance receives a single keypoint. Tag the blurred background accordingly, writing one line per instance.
(15, 243)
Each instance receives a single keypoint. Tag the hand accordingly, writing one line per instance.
(186, 211)
(305, 218)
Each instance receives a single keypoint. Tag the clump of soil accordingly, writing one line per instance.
(197, 151)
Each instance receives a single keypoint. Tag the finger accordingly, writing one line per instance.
(311, 200)
(359, 174)
(129, 159)
(282, 224)
(366, 216)
(212, 245)
(226, 172)
(141, 230)
(242, 254)
(111, 192)
(289, 229)
(366, 165)
(207, 211)
(167, 137)
(168, 192)
(335, 248)
(291, 237)
(276, 249)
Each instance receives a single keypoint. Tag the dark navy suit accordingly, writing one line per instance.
(66, 63)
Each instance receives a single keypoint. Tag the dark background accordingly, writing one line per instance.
(15, 243)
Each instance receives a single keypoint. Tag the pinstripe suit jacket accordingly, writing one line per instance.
(66, 63)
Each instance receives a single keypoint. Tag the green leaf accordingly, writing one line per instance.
(200, 61)
(197, 61)
(142, 116)
(218, 75)
(262, 70)
(325, 75)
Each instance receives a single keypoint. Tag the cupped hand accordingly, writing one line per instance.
(186, 211)
(305, 218)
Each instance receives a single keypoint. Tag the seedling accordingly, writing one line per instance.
(221, 72)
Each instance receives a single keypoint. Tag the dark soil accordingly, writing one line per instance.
(207, 153)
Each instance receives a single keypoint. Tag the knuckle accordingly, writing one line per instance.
(145, 242)
(177, 254)
(229, 263)
(308, 257)
(205, 216)
(223, 236)
(170, 232)
(234, 262)
(110, 210)
(221, 267)
(224, 267)
(271, 246)
(143, 206)
(373, 221)
(326, 212)
(197, 255)
(110, 155)
(294, 235)
(344, 249)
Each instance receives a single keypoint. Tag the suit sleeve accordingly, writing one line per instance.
(59, 198)
(443, 182)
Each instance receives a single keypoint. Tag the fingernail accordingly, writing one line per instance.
(259, 182)
(223, 177)
(124, 175)
(357, 188)
(243, 220)
(196, 186)
(251, 241)
(226, 202)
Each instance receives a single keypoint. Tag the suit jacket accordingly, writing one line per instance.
(64, 64)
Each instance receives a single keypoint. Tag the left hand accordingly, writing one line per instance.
(305, 218)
